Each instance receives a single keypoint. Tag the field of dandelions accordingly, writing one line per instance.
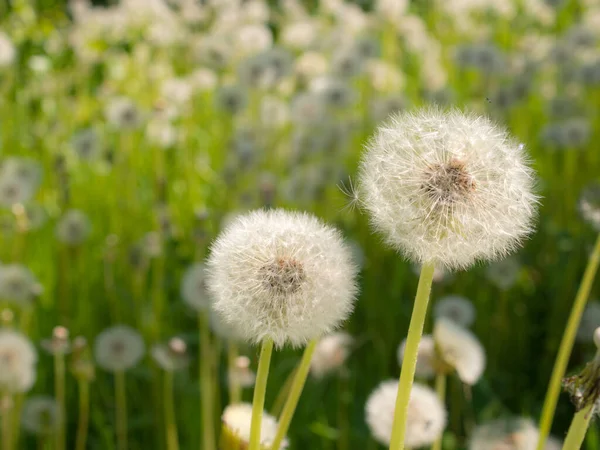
(218, 219)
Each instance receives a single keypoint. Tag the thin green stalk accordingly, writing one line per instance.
(170, 423)
(409, 363)
(292, 401)
(84, 415)
(59, 392)
(5, 409)
(566, 345)
(121, 410)
(206, 384)
(283, 394)
(440, 388)
(235, 390)
(260, 389)
(578, 428)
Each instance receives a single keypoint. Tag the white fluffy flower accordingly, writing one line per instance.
(122, 113)
(237, 419)
(426, 415)
(17, 284)
(425, 357)
(281, 275)
(460, 349)
(447, 187)
(590, 320)
(456, 308)
(505, 434)
(119, 348)
(17, 362)
(73, 228)
(330, 353)
(8, 52)
(41, 415)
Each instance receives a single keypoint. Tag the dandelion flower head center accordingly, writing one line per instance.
(448, 183)
(283, 276)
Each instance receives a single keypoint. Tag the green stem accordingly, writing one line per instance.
(208, 426)
(566, 345)
(235, 390)
(260, 389)
(170, 423)
(292, 401)
(578, 428)
(409, 363)
(59, 391)
(121, 410)
(440, 388)
(283, 394)
(84, 415)
(6, 423)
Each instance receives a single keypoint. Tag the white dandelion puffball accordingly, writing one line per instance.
(515, 433)
(447, 187)
(281, 275)
(18, 359)
(237, 418)
(330, 353)
(590, 320)
(41, 415)
(460, 349)
(17, 284)
(456, 308)
(193, 287)
(425, 357)
(119, 348)
(426, 418)
(8, 53)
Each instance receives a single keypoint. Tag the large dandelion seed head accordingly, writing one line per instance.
(447, 187)
(281, 275)
(426, 417)
(18, 358)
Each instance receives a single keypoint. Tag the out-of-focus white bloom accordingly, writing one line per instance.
(460, 349)
(300, 35)
(73, 228)
(426, 417)
(308, 109)
(253, 38)
(41, 415)
(122, 113)
(86, 144)
(194, 287)
(274, 112)
(241, 373)
(392, 10)
(384, 77)
(17, 362)
(589, 205)
(456, 308)
(281, 275)
(119, 348)
(19, 180)
(425, 357)
(8, 53)
(177, 90)
(39, 63)
(504, 273)
(447, 188)
(590, 320)
(330, 353)
(505, 434)
(203, 79)
(161, 133)
(171, 356)
(18, 284)
(237, 419)
(310, 65)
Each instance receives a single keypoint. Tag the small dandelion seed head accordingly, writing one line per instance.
(194, 288)
(41, 415)
(171, 356)
(237, 419)
(18, 359)
(460, 349)
(330, 354)
(86, 144)
(59, 342)
(456, 308)
(426, 418)
(426, 357)
(515, 433)
(73, 228)
(119, 348)
(447, 187)
(17, 284)
(122, 113)
(504, 273)
(281, 275)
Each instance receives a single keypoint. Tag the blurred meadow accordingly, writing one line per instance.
(132, 133)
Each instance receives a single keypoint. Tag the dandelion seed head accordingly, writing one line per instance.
(122, 113)
(447, 188)
(330, 354)
(73, 228)
(119, 348)
(460, 349)
(237, 419)
(41, 415)
(18, 359)
(17, 284)
(171, 356)
(8, 53)
(425, 357)
(504, 273)
(515, 433)
(193, 287)
(426, 418)
(281, 275)
(456, 308)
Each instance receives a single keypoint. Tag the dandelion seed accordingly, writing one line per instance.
(119, 348)
(18, 359)
(281, 275)
(351, 192)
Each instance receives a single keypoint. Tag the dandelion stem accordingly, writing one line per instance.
(121, 410)
(5, 409)
(292, 400)
(440, 388)
(409, 363)
(578, 428)
(59, 391)
(206, 385)
(235, 390)
(84, 415)
(566, 345)
(170, 423)
(260, 389)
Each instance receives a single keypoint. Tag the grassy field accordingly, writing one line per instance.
(129, 136)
